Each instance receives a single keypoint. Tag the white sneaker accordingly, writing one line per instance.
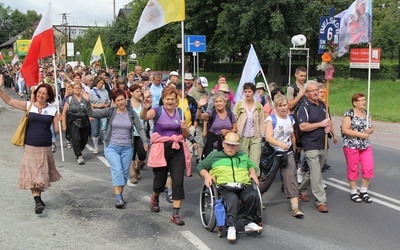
(252, 227)
(300, 175)
(95, 151)
(231, 233)
(81, 161)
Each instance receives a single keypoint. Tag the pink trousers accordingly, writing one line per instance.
(356, 158)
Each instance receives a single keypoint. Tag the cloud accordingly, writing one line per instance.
(87, 12)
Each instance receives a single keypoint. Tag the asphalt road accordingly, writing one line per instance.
(80, 212)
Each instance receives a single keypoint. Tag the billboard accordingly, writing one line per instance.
(22, 47)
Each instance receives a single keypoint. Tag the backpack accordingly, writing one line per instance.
(219, 211)
(159, 112)
(274, 120)
(214, 115)
(296, 89)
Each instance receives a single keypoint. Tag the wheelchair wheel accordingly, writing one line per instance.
(208, 196)
(259, 214)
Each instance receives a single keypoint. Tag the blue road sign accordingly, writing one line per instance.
(328, 32)
(195, 43)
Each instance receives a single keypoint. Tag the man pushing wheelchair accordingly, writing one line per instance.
(232, 170)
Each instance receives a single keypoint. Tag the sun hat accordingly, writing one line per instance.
(232, 138)
(174, 73)
(188, 76)
(260, 85)
(224, 87)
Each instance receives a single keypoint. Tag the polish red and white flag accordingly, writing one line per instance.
(42, 45)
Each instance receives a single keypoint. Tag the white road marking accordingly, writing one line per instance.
(194, 240)
(101, 158)
(89, 147)
(374, 199)
(369, 191)
(104, 160)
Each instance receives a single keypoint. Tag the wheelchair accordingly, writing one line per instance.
(208, 197)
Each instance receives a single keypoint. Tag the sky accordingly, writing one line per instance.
(80, 12)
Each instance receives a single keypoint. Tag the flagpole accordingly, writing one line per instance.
(183, 62)
(369, 79)
(105, 62)
(58, 108)
(266, 83)
(5, 64)
(57, 100)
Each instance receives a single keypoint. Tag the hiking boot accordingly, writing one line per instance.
(134, 178)
(119, 203)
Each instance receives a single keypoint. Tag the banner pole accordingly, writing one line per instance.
(58, 108)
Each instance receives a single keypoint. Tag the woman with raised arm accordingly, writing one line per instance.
(38, 168)
(220, 121)
(168, 151)
(118, 139)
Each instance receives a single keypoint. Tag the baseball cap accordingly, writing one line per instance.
(260, 85)
(147, 69)
(203, 81)
(174, 73)
(232, 138)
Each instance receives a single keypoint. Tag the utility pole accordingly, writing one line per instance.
(114, 8)
(64, 24)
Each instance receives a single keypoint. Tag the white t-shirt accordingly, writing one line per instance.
(282, 131)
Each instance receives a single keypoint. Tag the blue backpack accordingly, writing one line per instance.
(219, 211)
(274, 120)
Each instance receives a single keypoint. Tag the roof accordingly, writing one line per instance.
(125, 12)
(10, 42)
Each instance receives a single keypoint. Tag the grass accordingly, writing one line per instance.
(383, 99)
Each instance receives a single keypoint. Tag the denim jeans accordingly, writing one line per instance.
(98, 124)
(120, 158)
(53, 134)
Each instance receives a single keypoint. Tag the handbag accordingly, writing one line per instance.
(18, 138)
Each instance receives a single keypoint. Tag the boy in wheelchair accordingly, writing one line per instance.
(232, 172)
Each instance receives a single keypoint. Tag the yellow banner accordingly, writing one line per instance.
(22, 47)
